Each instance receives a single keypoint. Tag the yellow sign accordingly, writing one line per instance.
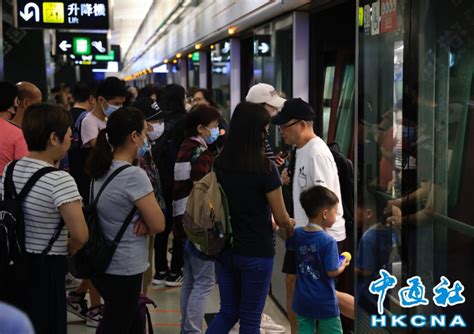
(53, 12)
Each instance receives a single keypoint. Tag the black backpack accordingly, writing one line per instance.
(345, 170)
(13, 264)
(95, 256)
(77, 156)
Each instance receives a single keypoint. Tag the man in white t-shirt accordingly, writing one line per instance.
(110, 96)
(314, 165)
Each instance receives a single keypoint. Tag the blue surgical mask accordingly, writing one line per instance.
(143, 149)
(110, 109)
(214, 135)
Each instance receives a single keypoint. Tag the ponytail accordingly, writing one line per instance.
(120, 125)
(100, 158)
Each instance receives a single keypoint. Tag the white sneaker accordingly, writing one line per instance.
(71, 282)
(94, 316)
(235, 329)
(268, 326)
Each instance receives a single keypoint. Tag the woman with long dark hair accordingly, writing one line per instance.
(118, 145)
(253, 188)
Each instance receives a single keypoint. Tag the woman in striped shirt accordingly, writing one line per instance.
(193, 162)
(54, 197)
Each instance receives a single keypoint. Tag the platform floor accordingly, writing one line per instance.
(166, 317)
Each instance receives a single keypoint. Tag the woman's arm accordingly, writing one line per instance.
(151, 213)
(277, 205)
(76, 224)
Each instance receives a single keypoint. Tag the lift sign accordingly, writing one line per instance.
(66, 14)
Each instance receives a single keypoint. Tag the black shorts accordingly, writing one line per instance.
(289, 263)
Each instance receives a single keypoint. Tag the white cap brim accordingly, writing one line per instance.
(276, 102)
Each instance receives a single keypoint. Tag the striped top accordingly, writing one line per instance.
(268, 150)
(193, 162)
(40, 207)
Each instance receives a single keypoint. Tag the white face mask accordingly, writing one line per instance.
(158, 129)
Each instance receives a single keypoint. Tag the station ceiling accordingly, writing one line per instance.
(128, 15)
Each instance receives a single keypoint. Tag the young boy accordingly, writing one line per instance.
(317, 261)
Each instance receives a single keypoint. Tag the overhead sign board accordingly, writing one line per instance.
(263, 45)
(113, 55)
(65, 14)
(81, 43)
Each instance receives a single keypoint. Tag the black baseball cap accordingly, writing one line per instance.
(149, 107)
(294, 109)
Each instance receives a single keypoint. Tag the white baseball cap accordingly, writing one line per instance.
(263, 93)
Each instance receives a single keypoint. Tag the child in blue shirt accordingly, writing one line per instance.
(317, 260)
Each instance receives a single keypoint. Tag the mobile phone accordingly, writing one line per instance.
(285, 155)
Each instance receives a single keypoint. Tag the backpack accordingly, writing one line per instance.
(345, 171)
(95, 256)
(206, 220)
(77, 156)
(13, 264)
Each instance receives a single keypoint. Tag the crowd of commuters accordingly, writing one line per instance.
(138, 153)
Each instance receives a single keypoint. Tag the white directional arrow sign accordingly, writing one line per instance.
(26, 14)
(264, 47)
(64, 46)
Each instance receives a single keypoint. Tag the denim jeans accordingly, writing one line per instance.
(244, 283)
(198, 281)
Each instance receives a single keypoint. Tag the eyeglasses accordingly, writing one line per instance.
(286, 126)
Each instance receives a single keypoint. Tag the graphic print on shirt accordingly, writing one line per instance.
(302, 178)
(308, 256)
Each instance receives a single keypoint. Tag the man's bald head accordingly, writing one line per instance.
(29, 93)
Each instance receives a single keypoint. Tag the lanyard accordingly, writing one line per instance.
(317, 227)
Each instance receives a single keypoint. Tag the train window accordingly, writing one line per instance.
(345, 110)
(220, 73)
(273, 55)
(416, 149)
(273, 62)
(327, 98)
(193, 70)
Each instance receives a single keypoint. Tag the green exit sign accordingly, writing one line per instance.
(81, 46)
(109, 57)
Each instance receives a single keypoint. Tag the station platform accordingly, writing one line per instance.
(166, 316)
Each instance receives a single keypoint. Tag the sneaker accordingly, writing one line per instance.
(159, 278)
(71, 282)
(77, 304)
(268, 326)
(174, 280)
(236, 329)
(94, 316)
